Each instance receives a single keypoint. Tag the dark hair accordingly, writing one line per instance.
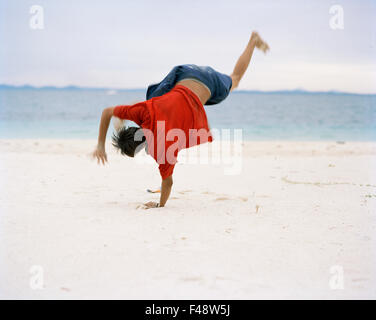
(127, 140)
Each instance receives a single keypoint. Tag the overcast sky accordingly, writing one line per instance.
(130, 44)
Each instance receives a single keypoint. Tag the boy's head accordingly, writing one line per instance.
(129, 141)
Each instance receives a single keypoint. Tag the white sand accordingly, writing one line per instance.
(275, 231)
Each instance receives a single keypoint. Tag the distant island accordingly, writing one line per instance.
(72, 87)
(29, 87)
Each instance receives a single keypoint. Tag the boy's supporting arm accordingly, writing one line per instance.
(165, 190)
(165, 194)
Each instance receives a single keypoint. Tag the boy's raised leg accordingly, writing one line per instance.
(242, 64)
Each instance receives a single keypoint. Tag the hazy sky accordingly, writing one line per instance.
(130, 44)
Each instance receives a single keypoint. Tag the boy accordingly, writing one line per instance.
(172, 112)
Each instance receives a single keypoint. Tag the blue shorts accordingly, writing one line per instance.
(219, 84)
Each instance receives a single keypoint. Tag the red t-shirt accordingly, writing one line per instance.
(171, 122)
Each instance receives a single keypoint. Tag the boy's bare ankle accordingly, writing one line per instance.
(254, 38)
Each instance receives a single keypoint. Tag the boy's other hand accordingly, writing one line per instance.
(100, 154)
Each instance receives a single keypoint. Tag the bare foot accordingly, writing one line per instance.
(259, 43)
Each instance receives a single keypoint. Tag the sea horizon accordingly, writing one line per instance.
(278, 91)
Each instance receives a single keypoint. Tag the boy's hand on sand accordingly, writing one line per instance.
(100, 154)
(151, 204)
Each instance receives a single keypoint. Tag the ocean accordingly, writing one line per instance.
(75, 113)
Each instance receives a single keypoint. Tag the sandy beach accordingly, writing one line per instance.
(298, 221)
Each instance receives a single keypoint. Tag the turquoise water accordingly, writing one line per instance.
(75, 113)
